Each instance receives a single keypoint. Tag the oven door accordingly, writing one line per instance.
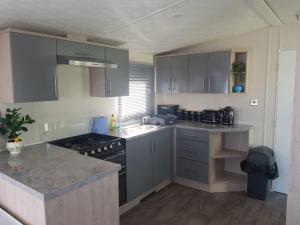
(120, 158)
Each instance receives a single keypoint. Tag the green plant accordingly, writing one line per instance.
(13, 124)
(238, 72)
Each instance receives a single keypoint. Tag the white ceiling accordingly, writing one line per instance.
(146, 26)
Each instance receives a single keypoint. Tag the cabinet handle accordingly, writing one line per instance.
(209, 84)
(170, 83)
(109, 86)
(55, 86)
(203, 84)
(174, 84)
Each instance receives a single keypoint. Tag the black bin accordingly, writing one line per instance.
(261, 168)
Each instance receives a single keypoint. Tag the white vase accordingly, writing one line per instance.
(14, 148)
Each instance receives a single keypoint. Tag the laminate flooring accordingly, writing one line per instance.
(180, 205)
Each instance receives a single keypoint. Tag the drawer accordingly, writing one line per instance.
(196, 135)
(76, 49)
(193, 150)
(192, 170)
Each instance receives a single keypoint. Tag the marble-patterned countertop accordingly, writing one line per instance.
(131, 132)
(212, 127)
(48, 171)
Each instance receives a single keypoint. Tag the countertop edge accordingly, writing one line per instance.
(63, 190)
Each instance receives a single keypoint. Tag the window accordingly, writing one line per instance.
(140, 101)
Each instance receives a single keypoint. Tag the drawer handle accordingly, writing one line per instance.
(190, 134)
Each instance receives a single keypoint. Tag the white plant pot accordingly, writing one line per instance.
(14, 148)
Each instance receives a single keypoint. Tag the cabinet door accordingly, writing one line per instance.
(139, 166)
(163, 75)
(162, 156)
(34, 68)
(180, 74)
(198, 73)
(219, 72)
(76, 49)
(117, 79)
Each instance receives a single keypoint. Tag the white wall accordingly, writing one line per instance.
(74, 103)
(263, 48)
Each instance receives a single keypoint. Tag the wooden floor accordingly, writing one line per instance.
(179, 205)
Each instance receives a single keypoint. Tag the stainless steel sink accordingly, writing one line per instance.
(143, 127)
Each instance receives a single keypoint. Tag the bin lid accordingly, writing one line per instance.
(261, 156)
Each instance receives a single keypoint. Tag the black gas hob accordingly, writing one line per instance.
(92, 144)
(105, 147)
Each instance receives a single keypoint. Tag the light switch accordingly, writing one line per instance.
(253, 102)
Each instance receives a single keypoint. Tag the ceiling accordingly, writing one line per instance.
(146, 26)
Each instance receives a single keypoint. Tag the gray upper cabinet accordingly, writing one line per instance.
(198, 73)
(163, 75)
(30, 71)
(139, 166)
(219, 72)
(117, 79)
(162, 158)
(81, 50)
(180, 70)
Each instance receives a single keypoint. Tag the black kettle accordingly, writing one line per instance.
(228, 116)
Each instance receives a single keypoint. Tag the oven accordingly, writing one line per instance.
(119, 157)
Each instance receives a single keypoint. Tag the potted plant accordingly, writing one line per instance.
(12, 125)
(239, 74)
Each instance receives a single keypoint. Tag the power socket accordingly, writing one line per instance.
(254, 102)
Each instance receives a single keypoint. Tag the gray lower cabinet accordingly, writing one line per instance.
(163, 75)
(139, 166)
(33, 66)
(198, 73)
(192, 154)
(148, 161)
(117, 79)
(219, 72)
(180, 75)
(162, 157)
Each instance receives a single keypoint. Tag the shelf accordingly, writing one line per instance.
(228, 177)
(229, 153)
(228, 181)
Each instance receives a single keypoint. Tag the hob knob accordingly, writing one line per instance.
(105, 148)
(99, 150)
(92, 152)
(119, 144)
(85, 153)
(111, 146)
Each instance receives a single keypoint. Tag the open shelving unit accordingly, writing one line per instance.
(239, 56)
(227, 150)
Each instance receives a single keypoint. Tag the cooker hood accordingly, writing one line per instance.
(84, 62)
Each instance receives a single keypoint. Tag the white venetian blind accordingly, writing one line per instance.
(140, 101)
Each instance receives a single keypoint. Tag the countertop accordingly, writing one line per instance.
(48, 171)
(130, 133)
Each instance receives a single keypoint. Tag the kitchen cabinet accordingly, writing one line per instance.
(172, 74)
(27, 68)
(139, 166)
(111, 82)
(195, 73)
(192, 154)
(117, 79)
(180, 74)
(219, 72)
(198, 82)
(163, 75)
(162, 157)
(148, 161)
(81, 50)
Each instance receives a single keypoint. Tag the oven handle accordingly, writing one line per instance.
(120, 174)
(114, 156)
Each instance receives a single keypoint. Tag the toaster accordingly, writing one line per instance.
(210, 116)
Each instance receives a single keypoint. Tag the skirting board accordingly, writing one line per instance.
(192, 184)
(129, 205)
